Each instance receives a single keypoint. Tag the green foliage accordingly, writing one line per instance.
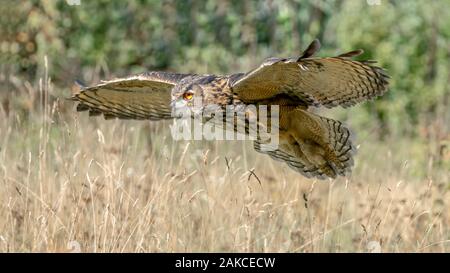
(100, 39)
(410, 39)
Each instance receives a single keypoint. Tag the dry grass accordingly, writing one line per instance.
(124, 186)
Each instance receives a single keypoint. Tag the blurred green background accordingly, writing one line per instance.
(103, 39)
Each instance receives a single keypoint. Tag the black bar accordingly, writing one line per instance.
(224, 262)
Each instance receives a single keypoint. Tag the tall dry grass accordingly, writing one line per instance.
(70, 181)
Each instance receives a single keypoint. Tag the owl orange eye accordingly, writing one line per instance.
(188, 96)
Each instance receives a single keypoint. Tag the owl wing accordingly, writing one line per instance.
(142, 96)
(297, 164)
(329, 81)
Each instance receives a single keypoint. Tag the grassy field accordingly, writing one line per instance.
(74, 183)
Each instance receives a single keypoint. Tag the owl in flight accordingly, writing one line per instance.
(310, 144)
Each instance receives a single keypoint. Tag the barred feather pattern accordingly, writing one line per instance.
(293, 162)
(339, 141)
(142, 96)
(338, 149)
(329, 81)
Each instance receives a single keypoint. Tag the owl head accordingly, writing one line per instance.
(187, 100)
(188, 96)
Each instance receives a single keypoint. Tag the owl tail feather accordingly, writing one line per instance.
(321, 149)
(317, 146)
(339, 150)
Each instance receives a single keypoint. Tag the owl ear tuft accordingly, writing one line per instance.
(310, 50)
(77, 87)
(351, 54)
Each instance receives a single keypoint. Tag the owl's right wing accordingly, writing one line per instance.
(142, 96)
(329, 81)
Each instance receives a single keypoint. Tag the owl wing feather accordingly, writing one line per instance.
(297, 164)
(329, 81)
(142, 96)
(326, 138)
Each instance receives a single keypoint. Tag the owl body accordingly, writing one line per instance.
(315, 146)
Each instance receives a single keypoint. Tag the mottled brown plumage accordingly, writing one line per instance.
(310, 144)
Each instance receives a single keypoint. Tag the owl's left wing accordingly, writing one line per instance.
(329, 81)
(142, 96)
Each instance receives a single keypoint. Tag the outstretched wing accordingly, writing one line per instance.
(327, 81)
(142, 96)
